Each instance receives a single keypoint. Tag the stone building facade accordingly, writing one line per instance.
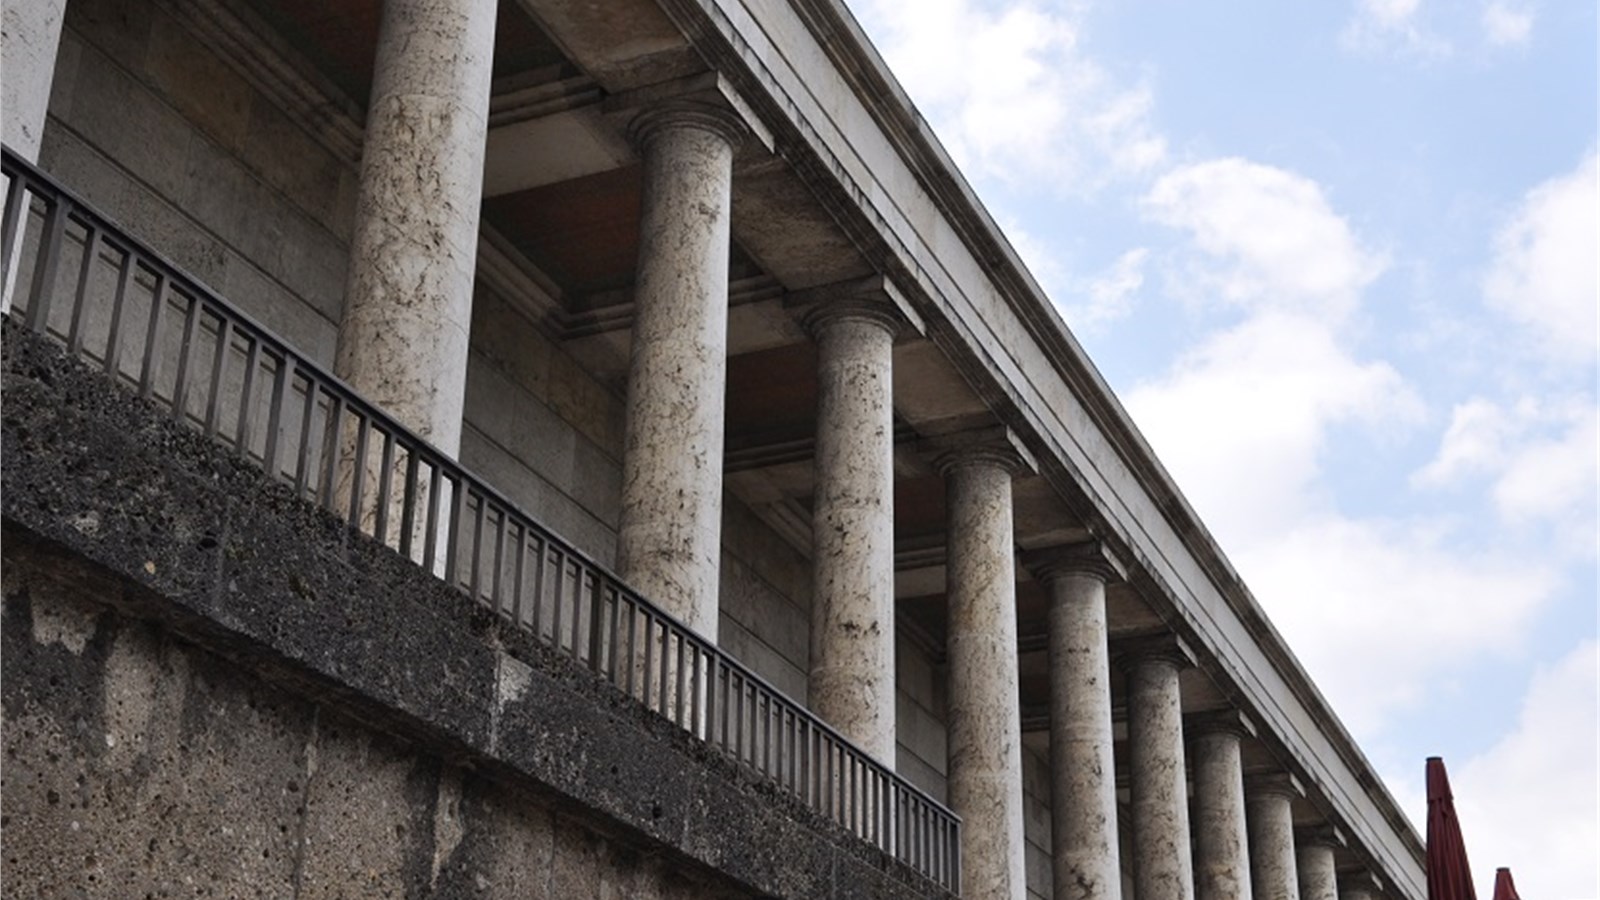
(691, 285)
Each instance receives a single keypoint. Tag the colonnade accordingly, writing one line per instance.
(403, 343)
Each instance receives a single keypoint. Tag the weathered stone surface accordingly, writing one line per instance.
(408, 307)
(1222, 860)
(1086, 863)
(852, 611)
(1315, 866)
(389, 687)
(32, 32)
(985, 725)
(668, 543)
(1159, 790)
(1271, 822)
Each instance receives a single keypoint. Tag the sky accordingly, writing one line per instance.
(1338, 260)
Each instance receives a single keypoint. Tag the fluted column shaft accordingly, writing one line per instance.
(1272, 858)
(985, 724)
(1159, 793)
(1222, 859)
(669, 535)
(1085, 862)
(852, 610)
(408, 298)
(1315, 865)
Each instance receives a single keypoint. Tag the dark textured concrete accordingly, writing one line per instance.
(185, 544)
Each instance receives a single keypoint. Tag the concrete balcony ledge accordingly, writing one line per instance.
(120, 521)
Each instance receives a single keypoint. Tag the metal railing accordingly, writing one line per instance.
(120, 306)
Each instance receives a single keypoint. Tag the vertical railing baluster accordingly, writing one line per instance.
(408, 501)
(559, 599)
(358, 471)
(302, 465)
(158, 308)
(614, 592)
(475, 579)
(282, 387)
(539, 567)
(499, 559)
(681, 677)
(597, 609)
(430, 535)
(380, 524)
(516, 573)
(633, 646)
(55, 231)
(243, 432)
(452, 543)
(579, 580)
(219, 367)
(16, 191)
(647, 668)
(192, 315)
(80, 300)
(332, 449)
(118, 303)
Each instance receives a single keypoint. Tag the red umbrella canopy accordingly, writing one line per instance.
(1449, 876)
(1503, 888)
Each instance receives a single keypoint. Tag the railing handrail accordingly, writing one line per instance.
(24, 177)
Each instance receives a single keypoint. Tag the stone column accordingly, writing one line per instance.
(1222, 860)
(1083, 786)
(29, 39)
(1269, 805)
(1315, 864)
(1158, 787)
(669, 538)
(852, 521)
(28, 43)
(408, 298)
(985, 720)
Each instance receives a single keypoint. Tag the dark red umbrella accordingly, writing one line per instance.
(1503, 888)
(1449, 876)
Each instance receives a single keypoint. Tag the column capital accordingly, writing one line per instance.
(1220, 721)
(873, 299)
(1324, 835)
(705, 101)
(995, 445)
(1085, 558)
(1167, 647)
(1274, 784)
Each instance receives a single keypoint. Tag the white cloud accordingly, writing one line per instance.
(1110, 295)
(1506, 24)
(1267, 238)
(1529, 802)
(1553, 478)
(1382, 612)
(1392, 26)
(1543, 275)
(1389, 13)
(1011, 94)
(1538, 457)
(1243, 419)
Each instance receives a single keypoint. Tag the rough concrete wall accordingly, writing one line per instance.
(139, 765)
(204, 545)
(166, 138)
